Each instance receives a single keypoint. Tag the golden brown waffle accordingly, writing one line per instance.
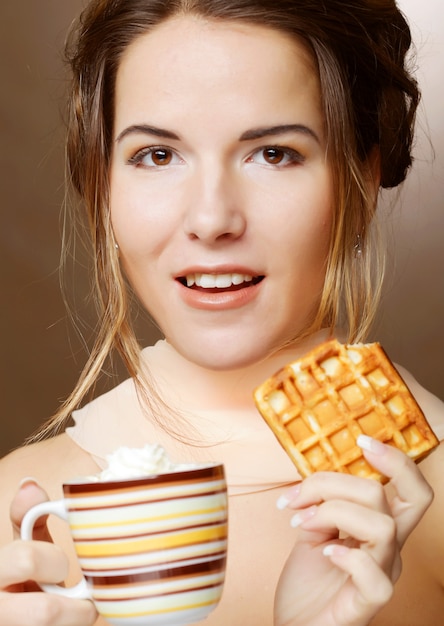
(319, 405)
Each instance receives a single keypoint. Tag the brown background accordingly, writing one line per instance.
(41, 355)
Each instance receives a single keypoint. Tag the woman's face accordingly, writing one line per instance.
(221, 196)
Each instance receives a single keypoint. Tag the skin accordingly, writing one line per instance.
(227, 200)
(224, 211)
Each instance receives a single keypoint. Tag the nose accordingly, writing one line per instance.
(214, 209)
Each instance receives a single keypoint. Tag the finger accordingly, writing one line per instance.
(370, 590)
(28, 495)
(323, 486)
(48, 609)
(375, 531)
(400, 468)
(32, 560)
(413, 494)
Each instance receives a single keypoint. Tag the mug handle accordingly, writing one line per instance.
(55, 507)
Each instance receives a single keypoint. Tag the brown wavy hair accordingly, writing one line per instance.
(369, 100)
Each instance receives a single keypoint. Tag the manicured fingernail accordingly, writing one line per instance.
(303, 516)
(29, 480)
(335, 550)
(371, 445)
(284, 500)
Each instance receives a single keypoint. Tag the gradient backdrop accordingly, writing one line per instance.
(41, 355)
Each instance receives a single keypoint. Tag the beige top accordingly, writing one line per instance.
(213, 414)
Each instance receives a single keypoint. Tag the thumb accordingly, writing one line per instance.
(29, 494)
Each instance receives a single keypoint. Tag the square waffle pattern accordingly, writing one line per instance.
(319, 405)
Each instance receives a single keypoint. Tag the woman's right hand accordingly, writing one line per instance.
(23, 564)
(346, 558)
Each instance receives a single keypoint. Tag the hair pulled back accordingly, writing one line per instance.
(369, 100)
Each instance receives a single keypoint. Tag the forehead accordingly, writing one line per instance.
(187, 63)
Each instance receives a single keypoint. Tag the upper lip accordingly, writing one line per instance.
(220, 269)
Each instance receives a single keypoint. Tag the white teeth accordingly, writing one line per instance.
(206, 280)
(220, 281)
(238, 279)
(223, 281)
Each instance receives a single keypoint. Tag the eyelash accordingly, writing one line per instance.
(293, 157)
(137, 159)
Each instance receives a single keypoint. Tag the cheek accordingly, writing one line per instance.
(308, 246)
(319, 219)
(308, 229)
(321, 241)
(299, 206)
(141, 222)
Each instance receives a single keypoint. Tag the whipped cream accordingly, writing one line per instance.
(138, 462)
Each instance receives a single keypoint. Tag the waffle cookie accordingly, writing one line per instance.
(319, 405)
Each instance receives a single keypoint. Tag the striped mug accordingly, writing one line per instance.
(152, 550)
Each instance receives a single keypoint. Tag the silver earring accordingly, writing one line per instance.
(358, 246)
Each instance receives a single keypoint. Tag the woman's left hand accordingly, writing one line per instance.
(346, 560)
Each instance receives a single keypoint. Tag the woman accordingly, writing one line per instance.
(229, 155)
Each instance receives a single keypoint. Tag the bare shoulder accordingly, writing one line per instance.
(51, 462)
(428, 539)
(418, 597)
(431, 405)
(423, 555)
(430, 527)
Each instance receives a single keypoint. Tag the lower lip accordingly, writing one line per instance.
(219, 300)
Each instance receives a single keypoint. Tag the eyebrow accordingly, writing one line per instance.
(259, 133)
(248, 135)
(146, 129)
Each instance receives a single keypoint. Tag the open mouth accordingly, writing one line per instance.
(219, 282)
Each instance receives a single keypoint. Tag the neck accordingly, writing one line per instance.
(191, 386)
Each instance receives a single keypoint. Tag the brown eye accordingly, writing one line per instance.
(274, 156)
(278, 157)
(161, 156)
(155, 157)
